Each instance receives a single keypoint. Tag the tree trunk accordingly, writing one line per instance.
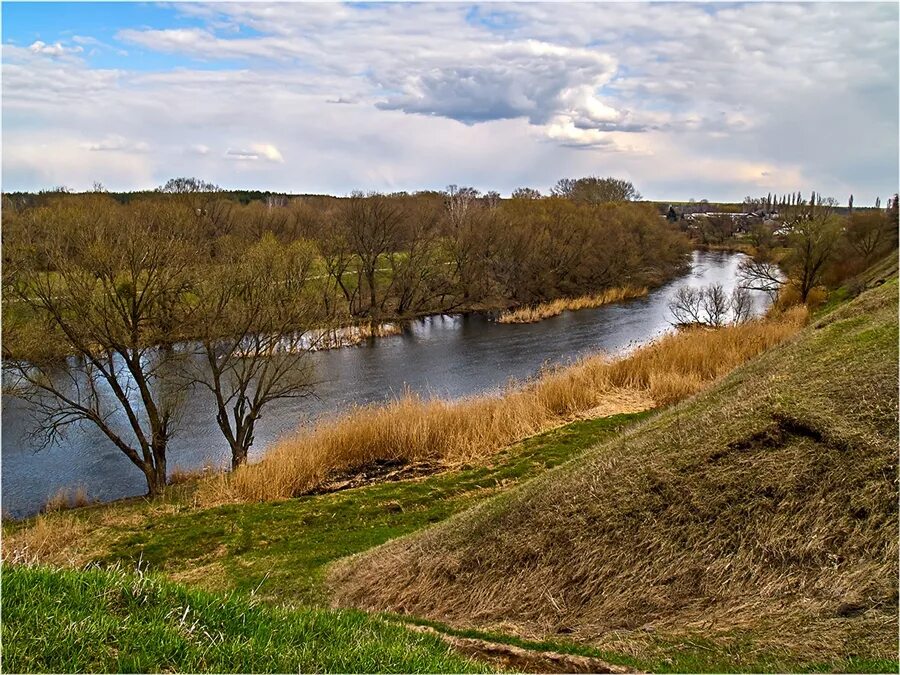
(373, 299)
(238, 456)
(150, 477)
(156, 481)
(156, 475)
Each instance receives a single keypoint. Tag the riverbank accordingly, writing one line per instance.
(413, 429)
(273, 554)
(757, 520)
(546, 310)
(445, 356)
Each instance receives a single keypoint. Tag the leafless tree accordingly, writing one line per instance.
(255, 324)
(814, 237)
(106, 285)
(459, 201)
(761, 274)
(716, 304)
(867, 233)
(741, 304)
(526, 193)
(687, 306)
(491, 199)
(596, 190)
(710, 306)
(372, 225)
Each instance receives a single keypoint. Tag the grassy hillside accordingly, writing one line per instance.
(760, 515)
(279, 550)
(109, 621)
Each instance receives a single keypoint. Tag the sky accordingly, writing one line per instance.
(714, 101)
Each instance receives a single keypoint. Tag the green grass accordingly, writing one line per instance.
(280, 549)
(111, 621)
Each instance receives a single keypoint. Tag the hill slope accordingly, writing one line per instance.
(765, 508)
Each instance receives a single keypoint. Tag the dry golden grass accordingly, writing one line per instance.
(545, 310)
(414, 429)
(789, 296)
(181, 475)
(65, 499)
(48, 540)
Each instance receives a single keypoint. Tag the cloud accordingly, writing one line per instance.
(256, 151)
(115, 143)
(50, 158)
(54, 50)
(86, 40)
(682, 99)
(529, 79)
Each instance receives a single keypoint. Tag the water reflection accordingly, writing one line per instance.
(446, 356)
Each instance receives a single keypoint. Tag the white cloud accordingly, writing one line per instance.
(49, 159)
(528, 79)
(256, 151)
(55, 49)
(701, 100)
(269, 152)
(115, 143)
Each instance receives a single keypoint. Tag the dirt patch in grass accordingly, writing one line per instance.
(520, 660)
(379, 471)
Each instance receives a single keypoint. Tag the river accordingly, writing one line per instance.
(443, 356)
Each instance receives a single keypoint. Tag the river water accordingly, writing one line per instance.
(442, 356)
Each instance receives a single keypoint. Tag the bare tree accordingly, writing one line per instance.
(710, 306)
(716, 304)
(596, 190)
(741, 305)
(419, 275)
(867, 233)
(687, 306)
(526, 193)
(761, 274)
(564, 187)
(491, 199)
(372, 225)
(459, 201)
(185, 185)
(815, 233)
(106, 285)
(255, 320)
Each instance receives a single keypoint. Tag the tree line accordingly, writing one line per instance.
(813, 246)
(115, 310)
